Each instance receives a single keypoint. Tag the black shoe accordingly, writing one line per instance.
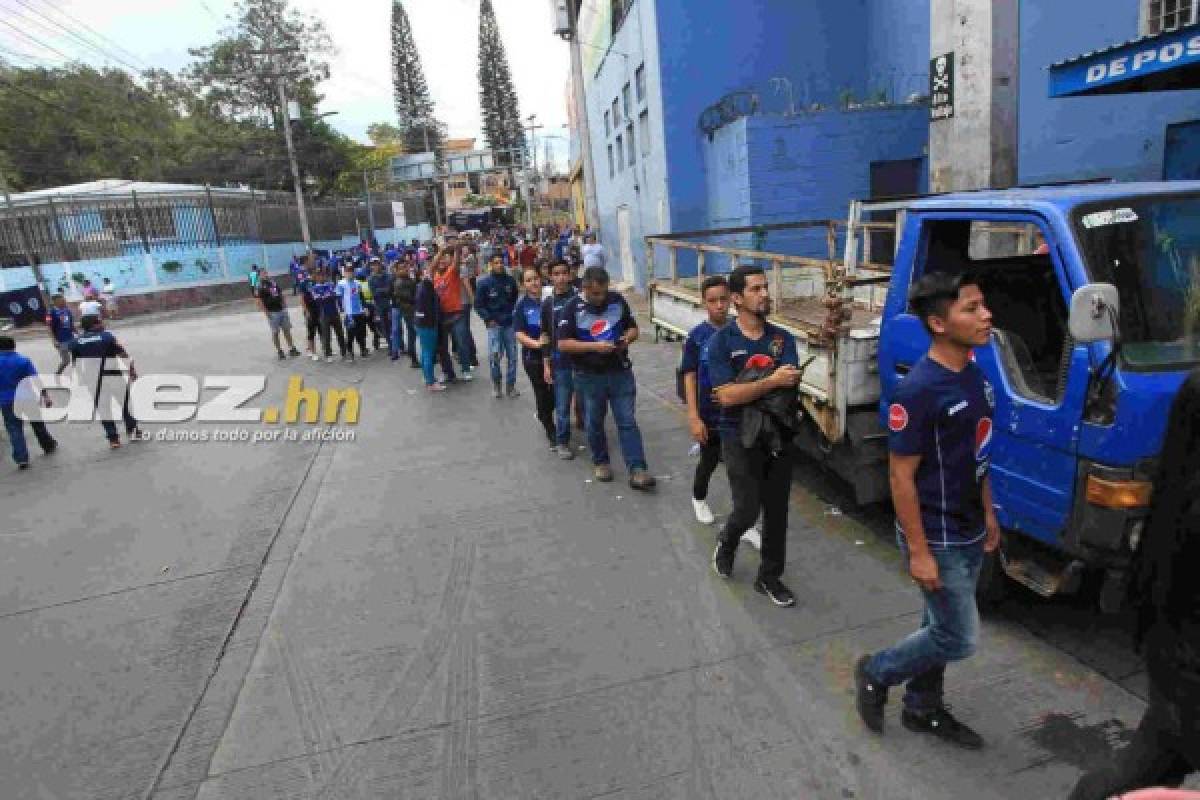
(282, 357)
(722, 560)
(871, 696)
(773, 588)
(51, 449)
(22, 465)
(293, 353)
(415, 364)
(942, 724)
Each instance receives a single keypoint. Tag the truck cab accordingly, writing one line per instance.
(1079, 415)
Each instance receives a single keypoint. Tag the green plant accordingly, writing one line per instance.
(172, 266)
(846, 98)
(203, 265)
(78, 277)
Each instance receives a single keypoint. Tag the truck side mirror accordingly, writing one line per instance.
(1094, 310)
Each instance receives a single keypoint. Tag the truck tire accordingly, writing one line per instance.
(992, 587)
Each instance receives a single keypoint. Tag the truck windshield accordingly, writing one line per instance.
(1149, 248)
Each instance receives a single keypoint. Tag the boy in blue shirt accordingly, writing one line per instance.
(62, 330)
(703, 414)
(760, 480)
(324, 294)
(557, 367)
(495, 296)
(14, 368)
(940, 433)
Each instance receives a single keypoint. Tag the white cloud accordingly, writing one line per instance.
(360, 89)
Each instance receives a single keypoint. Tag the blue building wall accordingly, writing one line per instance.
(897, 48)
(1117, 136)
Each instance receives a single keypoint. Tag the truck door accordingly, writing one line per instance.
(1038, 376)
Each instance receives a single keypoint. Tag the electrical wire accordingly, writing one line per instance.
(36, 40)
(44, 24)
(97, 34)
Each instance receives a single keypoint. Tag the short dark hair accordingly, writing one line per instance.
(935, 292)
(57, 295)
(7, 343)
(560, 263)
(712, 282)
(737, 278)
(89, 321)
(597, 276)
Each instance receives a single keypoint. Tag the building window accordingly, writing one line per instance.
(620, 153)
(607, 124)
(625, 103)
(644, 130)
(612, 169)
(639, 78)
(632, 144)
(1168, 15)
(616, 115)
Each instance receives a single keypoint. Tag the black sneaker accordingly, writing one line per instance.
(722, 560)
(942, 724)
(22, 465)
(773, 588)
(293, 353)
(871, 696)
(51, 449)
(282, 357)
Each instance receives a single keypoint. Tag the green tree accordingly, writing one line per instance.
(502, 127)
(418, 126)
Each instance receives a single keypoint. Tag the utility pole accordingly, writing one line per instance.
(581, 118)
(271, 52)
(532, 146)
(437, 206)
(370, 211)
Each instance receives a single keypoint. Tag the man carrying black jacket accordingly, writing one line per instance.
(758, 479)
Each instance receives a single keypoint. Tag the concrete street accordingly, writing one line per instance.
(441, 609)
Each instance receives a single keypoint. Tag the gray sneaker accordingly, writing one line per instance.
(565, 452)
(603, 473)
(642, 480)
(512, 391)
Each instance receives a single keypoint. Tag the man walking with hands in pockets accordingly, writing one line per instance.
(940, 433)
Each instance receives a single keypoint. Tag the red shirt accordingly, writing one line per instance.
(448, 286)
(528, 255)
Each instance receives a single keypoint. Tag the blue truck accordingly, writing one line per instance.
(1095, 292)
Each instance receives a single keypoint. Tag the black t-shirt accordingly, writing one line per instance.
(269, 294)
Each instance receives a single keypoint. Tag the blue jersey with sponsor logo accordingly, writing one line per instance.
(945, 417)
(324, 294)
(584, 322)
(695, 359)
(730, 352)
(61, 323)
(552, 308)
(527, 319)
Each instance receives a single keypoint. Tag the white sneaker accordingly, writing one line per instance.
(704, 514)
(316, 357)
(468, 376)
(753, 537)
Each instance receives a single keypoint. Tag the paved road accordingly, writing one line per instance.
(440, 609)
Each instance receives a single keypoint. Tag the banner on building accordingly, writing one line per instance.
(941, 87)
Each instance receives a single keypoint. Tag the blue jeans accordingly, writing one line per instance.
(16, 434)
(564, 390)
(464, 342)
(401, 324)
(599, 390)
(502, 343)
(429, 347)
(949, 631)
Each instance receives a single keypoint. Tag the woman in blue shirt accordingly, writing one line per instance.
(527, 321)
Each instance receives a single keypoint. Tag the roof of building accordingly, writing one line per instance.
(115, 186)
(1156, 62)
(459, 145)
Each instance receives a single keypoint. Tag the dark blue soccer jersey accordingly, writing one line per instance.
(586, 323)
(945, 417)
(730, 352)
(695, 359)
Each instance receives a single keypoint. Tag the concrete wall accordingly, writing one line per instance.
(1118, 136)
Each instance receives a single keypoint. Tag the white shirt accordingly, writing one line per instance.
(594, 255)
(90, 308)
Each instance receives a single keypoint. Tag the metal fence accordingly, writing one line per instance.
(82, 227)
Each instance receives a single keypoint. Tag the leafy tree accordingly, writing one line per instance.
(418, 127)
(497, 98)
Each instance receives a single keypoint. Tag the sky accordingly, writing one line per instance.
(158, 33)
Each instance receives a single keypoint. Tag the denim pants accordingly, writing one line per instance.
(464, 343)
(618, 389)
(429, 352)
(949, 631)
(564, 390)
(400, 325)
(16, 434)
(502, 343)
(468, 338)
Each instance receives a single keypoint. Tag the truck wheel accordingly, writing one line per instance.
(992, 587)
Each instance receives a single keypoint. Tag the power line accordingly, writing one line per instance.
(36, 40)
(43, 20)
(97, 34)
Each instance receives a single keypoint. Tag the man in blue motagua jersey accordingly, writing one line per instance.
(595, 330)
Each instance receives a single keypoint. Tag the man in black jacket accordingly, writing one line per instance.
(403, 300)
(758, 478)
